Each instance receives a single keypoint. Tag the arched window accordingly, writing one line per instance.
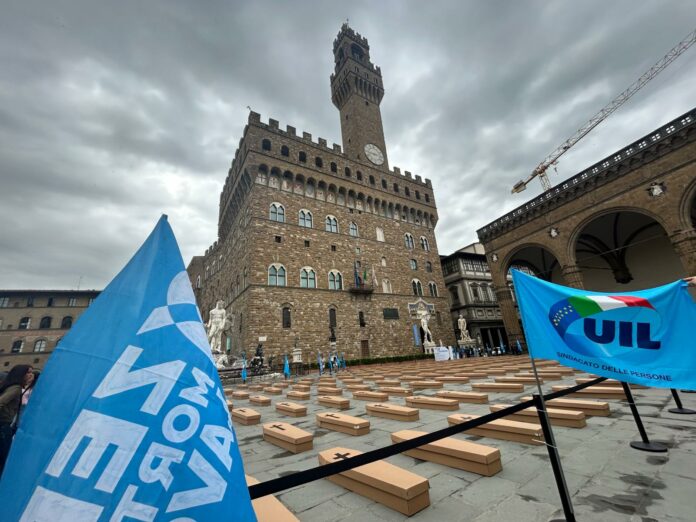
(346, 171)
(284, 151)
(384, 184)
(303, 157)
(414, 264)
(277, 212)
(380, 233)
(207, 272)
(396, 188)
(358, 175)
(335, 280)
(331, 224)
(318, 162)
(45, 322)
(407, 191)
(428, 266)
(386, 286)
(40, 345)
(17, 346)
(353, 229)
(408, 241)
(66, 322)
(332, 324)
(372, 180)
(424, 243)
(361, 319)
(276, 275)
(308, 279)
(244, 277)
(384, 261)
(432, 288)
(417, 287)
(305, 218)
(334, 168)
(286, 317)
(198, 281)
(24, 323)
(266, 144)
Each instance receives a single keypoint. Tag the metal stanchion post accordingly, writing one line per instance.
(680, 408)
(555, 459)
(644, 444)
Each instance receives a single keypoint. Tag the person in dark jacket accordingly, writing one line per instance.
(11, 389)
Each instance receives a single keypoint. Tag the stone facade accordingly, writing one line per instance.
(384, 224)
(472, 294)
(625, 223)
(33, 321)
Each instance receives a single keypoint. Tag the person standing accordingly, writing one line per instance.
(17, 380)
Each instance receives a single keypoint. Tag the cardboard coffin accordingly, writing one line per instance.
(246, 416)
(329, 390)
(548, 376)
(269, 508)
(388, 382)
(453, 379)
(333, 402)
(523, 432)
(281, 385)
(390, 485)
(395, 390)
(523, 380)
(240, 394)
(501, 387)
(455, 453)
(565, 418)
(392, 411)
(470, 397)
(432, 403)
(363, 395)
(589, 408)
(256, 387)
(598, 392)
(609, 382)
(343, 423)
(358, 387)
(272, 390)
(288, 437)
(260, 400)
(291, 409)
(424, 385)
(298, 395)
(301, 387)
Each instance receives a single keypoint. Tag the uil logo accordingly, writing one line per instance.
(606, 325)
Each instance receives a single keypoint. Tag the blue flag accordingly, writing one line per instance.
(320, 363)
(644, 337)
(244, 372)
(129, 420)
(286, 367)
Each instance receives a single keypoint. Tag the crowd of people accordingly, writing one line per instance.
(15, 391)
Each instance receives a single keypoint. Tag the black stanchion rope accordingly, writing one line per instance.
(310, 475)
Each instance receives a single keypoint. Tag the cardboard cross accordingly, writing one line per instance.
(278, 427)
(332, 416)
(241, 409)
(341, 456)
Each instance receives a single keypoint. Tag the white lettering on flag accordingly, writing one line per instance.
(102, 431)
(120, 379)
(164, 456)
(213, 491)
(46, 506)
(129, 508)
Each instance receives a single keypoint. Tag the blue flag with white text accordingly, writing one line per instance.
(286, 367)
(643, 337)
(129, 419)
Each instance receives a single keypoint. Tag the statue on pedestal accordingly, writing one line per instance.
(217, 324)
(427, 335)
(463, 332)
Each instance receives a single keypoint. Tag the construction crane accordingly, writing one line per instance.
(552, 159)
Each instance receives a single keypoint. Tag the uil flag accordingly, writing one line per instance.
(643, 337)
(244, 371)
(286, 367)
(129, 420)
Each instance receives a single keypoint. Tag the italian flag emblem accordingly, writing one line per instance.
(567, 311)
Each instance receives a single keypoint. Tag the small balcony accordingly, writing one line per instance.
(362, 288)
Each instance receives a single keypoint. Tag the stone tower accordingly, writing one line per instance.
(357, 90)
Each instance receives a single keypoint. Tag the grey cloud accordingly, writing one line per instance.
(112, 113)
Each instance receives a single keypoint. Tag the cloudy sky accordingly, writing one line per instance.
(112, 113)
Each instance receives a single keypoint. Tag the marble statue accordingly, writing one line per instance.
(463, 332)
(217, 324)
(427, 335)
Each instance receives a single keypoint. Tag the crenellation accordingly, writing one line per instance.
(408, 174)
(273, 124)
(322, 143)
(254, 117)
(307, 136)
(428, 183)
(291, 131)
(337, 148)
(419, 179)
(397, 171)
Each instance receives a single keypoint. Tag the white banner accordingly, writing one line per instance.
(441, 353)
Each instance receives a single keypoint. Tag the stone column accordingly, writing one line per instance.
(509, 311)
(573, 276)
(684, 243)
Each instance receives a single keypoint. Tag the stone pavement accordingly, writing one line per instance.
(608, 480)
